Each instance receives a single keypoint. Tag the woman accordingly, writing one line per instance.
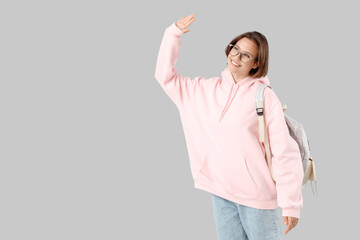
(221, 130)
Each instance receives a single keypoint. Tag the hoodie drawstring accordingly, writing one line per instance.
(227, 104)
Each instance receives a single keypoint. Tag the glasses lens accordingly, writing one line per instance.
(233, 51)
(245, 58)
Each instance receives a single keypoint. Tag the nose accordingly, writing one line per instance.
(239, 56)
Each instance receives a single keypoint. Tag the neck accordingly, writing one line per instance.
(238, 77)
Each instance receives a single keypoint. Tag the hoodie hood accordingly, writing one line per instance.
(228, 79)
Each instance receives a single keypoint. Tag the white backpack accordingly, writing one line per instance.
(296, 131)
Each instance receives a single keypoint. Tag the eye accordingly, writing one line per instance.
(246, 55)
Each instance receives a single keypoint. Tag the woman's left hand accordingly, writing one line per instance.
(291, 222)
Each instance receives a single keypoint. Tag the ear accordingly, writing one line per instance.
(255, 65)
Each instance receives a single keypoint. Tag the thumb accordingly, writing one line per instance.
(285, 220)
(187, 30)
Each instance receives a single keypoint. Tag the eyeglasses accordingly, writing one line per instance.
(244, 57)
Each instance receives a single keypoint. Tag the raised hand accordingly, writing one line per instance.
(185, 22)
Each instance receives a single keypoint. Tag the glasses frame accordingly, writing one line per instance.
(241, 53)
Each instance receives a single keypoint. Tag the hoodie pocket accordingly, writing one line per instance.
(205, 171)
(233, 176)
(251, 177)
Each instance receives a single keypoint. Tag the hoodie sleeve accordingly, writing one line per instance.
(180, 89)
(286, 159)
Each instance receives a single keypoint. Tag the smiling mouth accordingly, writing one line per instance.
(235, 64)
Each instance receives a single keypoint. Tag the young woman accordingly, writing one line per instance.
(220, 124)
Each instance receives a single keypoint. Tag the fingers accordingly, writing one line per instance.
(185, 22)
(285, 220)
(189, 19)
(291, 221)
(183, 19)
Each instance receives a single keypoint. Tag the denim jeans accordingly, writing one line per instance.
(238, 222)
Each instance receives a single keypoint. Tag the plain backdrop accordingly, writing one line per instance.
(91, 147)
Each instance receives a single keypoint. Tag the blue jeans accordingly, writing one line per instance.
(238, 222)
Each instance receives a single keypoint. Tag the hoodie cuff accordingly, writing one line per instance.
(291, 212)
(175, 30)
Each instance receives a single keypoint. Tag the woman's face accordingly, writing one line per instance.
(247, 46)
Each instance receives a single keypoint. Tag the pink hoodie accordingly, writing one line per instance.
(222, 136)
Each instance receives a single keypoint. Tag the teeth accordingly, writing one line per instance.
(235, 63)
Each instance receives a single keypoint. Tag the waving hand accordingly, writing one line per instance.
(185, 22)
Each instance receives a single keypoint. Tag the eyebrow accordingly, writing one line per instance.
(244, 51)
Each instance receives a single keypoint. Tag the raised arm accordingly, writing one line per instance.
(179, 88)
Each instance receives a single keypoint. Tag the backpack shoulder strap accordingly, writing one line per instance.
(263, 137)
(259, 106)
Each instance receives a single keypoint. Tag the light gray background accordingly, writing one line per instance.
(92, 148)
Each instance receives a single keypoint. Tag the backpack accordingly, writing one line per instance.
(296, 131)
